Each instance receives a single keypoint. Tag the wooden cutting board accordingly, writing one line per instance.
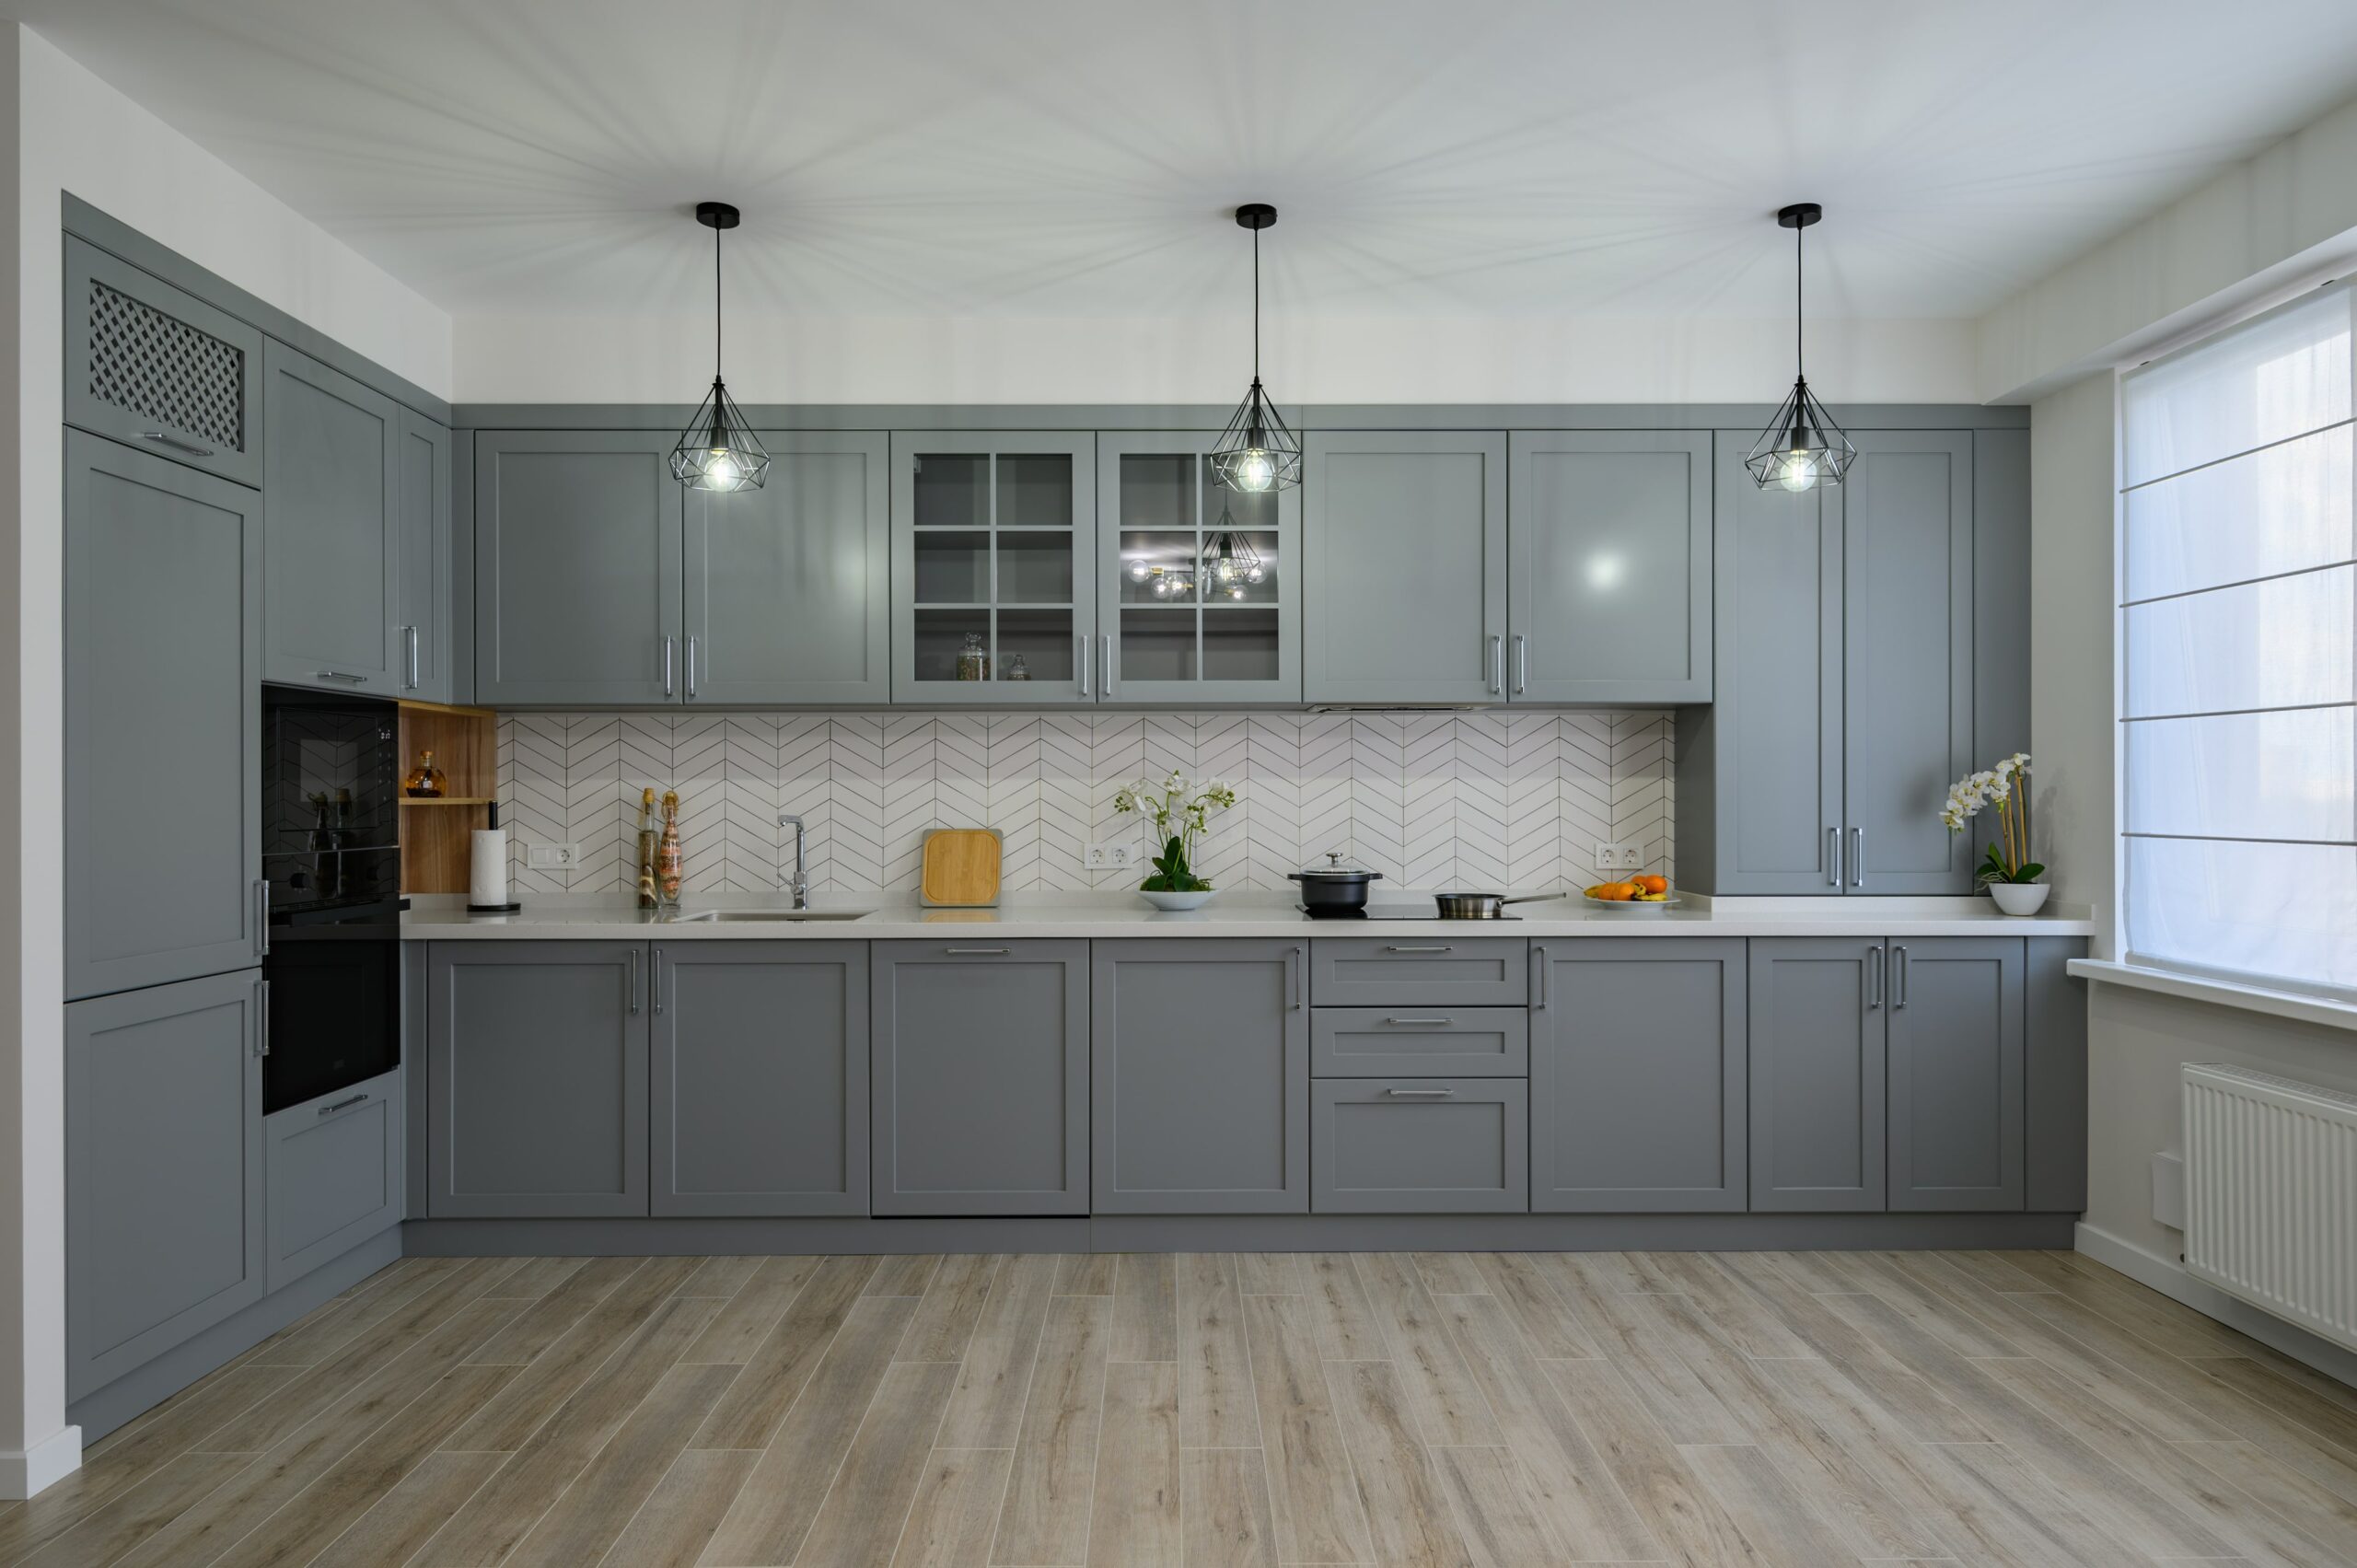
(961, 868)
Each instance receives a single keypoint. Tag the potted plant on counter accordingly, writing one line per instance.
(1181, 811)
(2008, 872)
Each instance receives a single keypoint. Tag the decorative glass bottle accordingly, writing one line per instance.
(649, 836)
(973, 659)
(669, 862)
(425, 782)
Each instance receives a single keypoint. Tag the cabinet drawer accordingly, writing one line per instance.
(335, 1175)
(1386, 972)
(1470, 1043)
(1419, 1145)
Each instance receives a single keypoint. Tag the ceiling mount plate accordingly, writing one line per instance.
(1256, 214)
(717, 214)
(1800, 215)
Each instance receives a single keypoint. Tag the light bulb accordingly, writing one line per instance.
(1798, 473)
(1255, 470)
(1235, 593)
(1253, 576)
(1137, 571)
(720, 471)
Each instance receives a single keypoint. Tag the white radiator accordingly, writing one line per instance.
(2270, 1179)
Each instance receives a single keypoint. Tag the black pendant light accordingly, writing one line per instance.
(1257, 452)
(1802, 446)
(718, 450)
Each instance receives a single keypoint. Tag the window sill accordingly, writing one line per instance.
(2224, 993)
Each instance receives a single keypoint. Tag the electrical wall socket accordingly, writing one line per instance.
(556, 857)
(1620, 857)
(1108, 857)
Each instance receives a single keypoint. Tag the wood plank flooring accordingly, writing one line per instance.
(1439, 1411)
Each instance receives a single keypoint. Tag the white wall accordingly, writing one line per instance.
(1009, 359)
(67, 131)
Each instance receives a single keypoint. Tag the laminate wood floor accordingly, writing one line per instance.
(1435, 1409)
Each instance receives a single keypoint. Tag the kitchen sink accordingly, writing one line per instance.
(730, 917)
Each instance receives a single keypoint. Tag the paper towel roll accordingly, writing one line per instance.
(487, 876)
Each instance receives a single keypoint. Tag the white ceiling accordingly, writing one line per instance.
(1036, 157)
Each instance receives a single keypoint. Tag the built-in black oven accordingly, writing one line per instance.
(331, 853)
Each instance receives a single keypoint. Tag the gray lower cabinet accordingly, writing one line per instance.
(1954, 1027)
(1200, 1084)
(978, 1072)
(578, 553)
(758, 1093)
(1419, 972)
(1466, 1042)
(1638, 1072)
(1818, 1010)
(1404, 566)
(536, 1093)
(789, 587)
(330, 567)
(427, 600)
(335, 1175)
(164, 1169)
(1608, 577)
(1419, 1145)
(163, 660)
(155, 366)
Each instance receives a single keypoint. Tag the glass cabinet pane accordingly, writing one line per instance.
(953, 567)
(952, 644)
(1158, 568)
(953, 490)
(1034, 644)
(1034, 489)
(1034, 566)
(996, 560)
(1158, 642)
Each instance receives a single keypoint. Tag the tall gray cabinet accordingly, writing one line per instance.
(331, 564)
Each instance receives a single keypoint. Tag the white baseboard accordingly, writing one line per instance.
(26, 1472)
(2168, 1276)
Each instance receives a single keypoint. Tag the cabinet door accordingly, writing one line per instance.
(335, 1175)
(536, 1055)
(1637, 1076)
(1421, 1147)
(1404, 566)
(1198, 586)
(1955, 1073)
(1761, 769)
(1608, 581)
(1818, 1011)
(577, 564)
(1908, 607)
(163, 1170)
(1199, 1081)
(163, 668)
(788, 590)
(428, 597)
(159, 369)
(994, 549)
(759, 1097)
(330, 572)
(980, 1097)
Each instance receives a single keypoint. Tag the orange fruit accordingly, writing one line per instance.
(1654, 883)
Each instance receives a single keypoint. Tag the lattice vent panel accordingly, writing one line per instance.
(164, 369)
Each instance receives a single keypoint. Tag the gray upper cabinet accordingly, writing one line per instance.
(1198, 586)
(757, 1102)
(1608, 577)
(789, 587)
(156, 367)
(1818, 1006)
(535, 1094)
(427, 599)
(163, 661)
(1200, 1050)
(995, 568)
(980, 1077)
(1404, 566)
(1908, 665)
(335, 1175)
(164, 1170)
(330, 586)
(1954, 1022)
(578, 556)
(1638, 1075)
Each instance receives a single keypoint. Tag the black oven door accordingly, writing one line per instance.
(334, 1020)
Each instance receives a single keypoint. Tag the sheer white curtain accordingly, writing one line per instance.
(2238, 633)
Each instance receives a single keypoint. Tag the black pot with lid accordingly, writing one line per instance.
(1333, 888)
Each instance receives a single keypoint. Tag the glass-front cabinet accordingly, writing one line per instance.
(994, 563)
(1197, 600)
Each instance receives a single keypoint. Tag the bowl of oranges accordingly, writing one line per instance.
(1636, 893)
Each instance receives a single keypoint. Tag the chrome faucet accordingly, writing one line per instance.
(800, 885)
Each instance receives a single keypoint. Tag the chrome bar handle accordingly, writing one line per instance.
(1107, 639)
(1497, 665)
(177, 444)
(1857, 857)
(261, 1041)
(1873, 977)
(1428, 1021)
(633, 982)
(1521, 663)
(654, 979)
(1399, 1093)
(1293, 979)
(692, 666)
(1832, 857)
(1539, 977)
(341, 1105)
(976, 952)
(1444, 947)
(667, 666)
(409, 643)
(1081, 639)
(262, 918)
(1898, 978)
(339, 675)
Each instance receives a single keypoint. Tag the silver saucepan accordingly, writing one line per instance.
(1483, 906)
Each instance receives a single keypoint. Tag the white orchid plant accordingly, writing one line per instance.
(2005, 787)
(1180, 811)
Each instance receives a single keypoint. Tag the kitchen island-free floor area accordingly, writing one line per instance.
(1801, 1409)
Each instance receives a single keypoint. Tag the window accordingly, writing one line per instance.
(2239, 649)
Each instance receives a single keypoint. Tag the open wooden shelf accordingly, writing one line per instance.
(436, 845)
(445, 799)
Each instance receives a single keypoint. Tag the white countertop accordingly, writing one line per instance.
(1249, 913)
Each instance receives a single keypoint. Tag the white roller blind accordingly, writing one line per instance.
(2238, 637)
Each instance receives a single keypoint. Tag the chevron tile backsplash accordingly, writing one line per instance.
(1431, 800)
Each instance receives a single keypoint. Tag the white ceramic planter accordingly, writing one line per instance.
(1171, 902)
(2019, 897)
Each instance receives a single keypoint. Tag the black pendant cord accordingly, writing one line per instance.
(716, 339)
(1256, 307)
(1800, 369)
